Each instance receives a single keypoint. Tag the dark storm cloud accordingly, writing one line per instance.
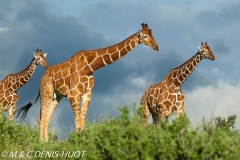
(34, 27)
(231, 11)
(221, 48)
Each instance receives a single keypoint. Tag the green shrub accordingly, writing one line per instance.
(125, 138)
(17, 135)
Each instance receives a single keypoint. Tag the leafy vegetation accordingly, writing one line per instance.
(125, 138)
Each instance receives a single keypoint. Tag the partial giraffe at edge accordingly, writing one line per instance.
(165, 97)
(12, 82)
(74, 79)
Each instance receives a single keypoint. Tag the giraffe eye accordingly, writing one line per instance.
(144, 36)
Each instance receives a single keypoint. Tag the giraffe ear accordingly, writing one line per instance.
(199, 49)
(44, 55)
(139, 33)
(34, 54)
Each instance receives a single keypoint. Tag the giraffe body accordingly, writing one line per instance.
(166, 97)
(12, 82)
(74, 79)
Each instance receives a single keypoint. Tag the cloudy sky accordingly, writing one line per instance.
(61, 28)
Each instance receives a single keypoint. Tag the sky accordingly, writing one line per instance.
(61, 28)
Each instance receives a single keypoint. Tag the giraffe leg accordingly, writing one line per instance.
(50, 110)
(80, 114)
(86, 98)
(12, 108)
(11, 112)
(41, 120)
(46, 100)
(155, 118)
(180, 111)
(76, 112)
(180, 107)
(145, 114)
(163, 117)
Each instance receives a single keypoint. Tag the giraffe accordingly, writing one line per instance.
(165, 97)
(74, 79)
(12, 82)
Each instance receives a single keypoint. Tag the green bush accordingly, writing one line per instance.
(125, 138)
(16, 135)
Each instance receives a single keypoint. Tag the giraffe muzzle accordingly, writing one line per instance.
(155, 48)
(213, 58)
(46, 66)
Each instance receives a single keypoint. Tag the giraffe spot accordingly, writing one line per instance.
(14, 85)
(128, 48)
(194, 63)
(18, 83)
(123, 52)
(171, 97)
(167, 104)
(83, 79)
(175, 82)
(97, 62)
(59, 83)
(57, 75)
(165, 95)
(63, 90)
(164, 89)
(187, 71)
(184, 76)
(169, 82)
(133, 44)
(178, 103)
(112, 49)
(22, 81)
(180, 97)
(180, 78)
(179, 72)
(1, 86)
(91, 57)
(80, 61)
(86, 70)
(191, 68)
(172, 109)
(64, 66)
(57, 68)
(160, 99)
(65, 72)
(188, 65)
(151, 100)
(160, 85)
(115, 56)
(107, 59)
(173, 74)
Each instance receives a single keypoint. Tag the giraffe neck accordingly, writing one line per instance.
(102, 57)
(181, 73)
(19, 79)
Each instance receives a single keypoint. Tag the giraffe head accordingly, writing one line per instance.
(206, 52)
(145, 37)
(39, 58)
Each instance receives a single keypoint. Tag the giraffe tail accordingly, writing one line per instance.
(25, 108)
